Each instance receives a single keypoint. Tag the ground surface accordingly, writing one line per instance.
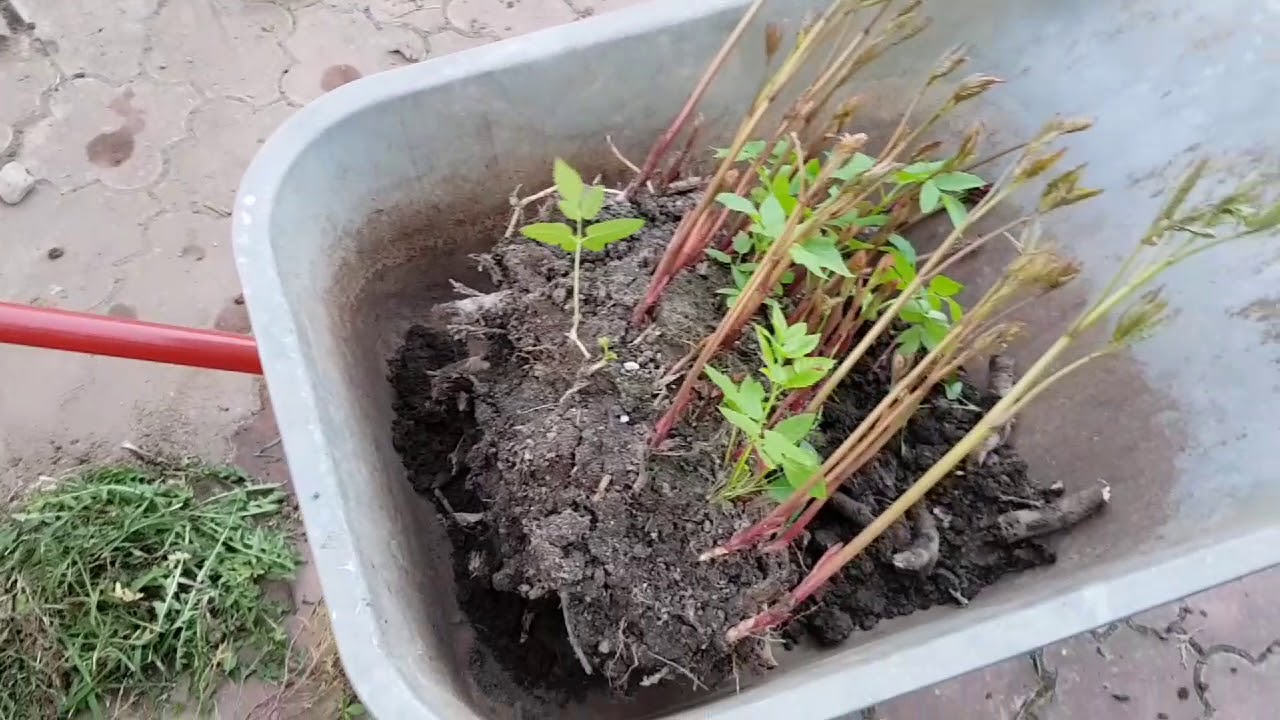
(138, 116)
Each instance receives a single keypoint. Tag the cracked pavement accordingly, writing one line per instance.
(137, 118)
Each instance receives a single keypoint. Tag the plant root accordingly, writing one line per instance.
(999, 382)
(855, 511)
(1065, 512)
(923, 553)
(568, 630)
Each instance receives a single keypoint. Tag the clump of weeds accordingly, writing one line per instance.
(127, 583)
(812, 227)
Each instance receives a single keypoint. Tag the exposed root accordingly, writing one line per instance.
(999, 382)
(623, 158)
(568, 630)
(855, 511)
(1018, 525)
(697, 684)
(923, 553)
(518, 205)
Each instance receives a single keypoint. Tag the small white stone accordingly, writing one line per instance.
(624, 419)
(631, 365)
(15, 183)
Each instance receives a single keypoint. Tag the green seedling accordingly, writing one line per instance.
(783, 449)
(580, 203)
(940, 188)
(930, 314)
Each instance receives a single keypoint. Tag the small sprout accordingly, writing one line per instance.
(973, 86)
(954, 58)
(606, 350)
(953, 390)
(579, 203)
(1142, 319)
(1064, 190)
(1033, 165)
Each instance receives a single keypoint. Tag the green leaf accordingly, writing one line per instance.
(557, 234)
(780, 489)
(930, 197)
(779, 375)
(944, 286)
(773, 219)
(953, 389)
(808, 371)
(957, 312)
(857, 165)
(570, 210)
(779, 320)
(726, 385)
(932, 333)
(737, 203)
(750, 151)
(955, 210)
(605, 233)
(742, 422)
(592, 202)
(908, 251)
(910, 340)
(797, 427)
(917, 172)
(742, 243)
(779, 448)
(819, 255)
(740, 275)
(801, 344)
(719, 256)
(751, 399)
(766, 346)
(958, 181)
(568, 183)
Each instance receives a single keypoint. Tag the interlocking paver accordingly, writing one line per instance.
(115, 134)
(223, 47)
(1238, 687)
(334, 47)
(993, 693)
(1233, 614)
(448, 41)
(205, 166)
(104, 39)
(507, 18)
(24, 75)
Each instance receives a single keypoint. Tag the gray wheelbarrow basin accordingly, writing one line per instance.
(358, 211)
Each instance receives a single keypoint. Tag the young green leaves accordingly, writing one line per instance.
(940, 189)
(788, 459)
(580, 203)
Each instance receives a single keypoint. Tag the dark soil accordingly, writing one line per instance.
(537, 458)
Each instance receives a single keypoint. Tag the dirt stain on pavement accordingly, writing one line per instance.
(112, 149)
(338, 75)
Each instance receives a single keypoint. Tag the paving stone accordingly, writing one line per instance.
(334, 47)
(443, 43)
(398, 11)
(24, 74)
(223, 47)
(205, 167)
(992, 693)
(1239, 688)
(1127, 674)
(1233, 614)
(104, 39)
(507, 18)
(114, 134)
(588, 8)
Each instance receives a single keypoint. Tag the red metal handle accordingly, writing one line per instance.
(123, 338)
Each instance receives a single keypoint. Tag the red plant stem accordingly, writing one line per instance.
(660, 148)
(673, 172)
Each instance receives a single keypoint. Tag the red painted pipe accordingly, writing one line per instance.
(122, 338)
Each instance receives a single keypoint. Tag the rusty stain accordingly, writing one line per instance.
(114, 148)
(121, 310)
(337, 76)
(1267, 312)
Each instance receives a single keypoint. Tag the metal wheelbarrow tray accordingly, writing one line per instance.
(356, 213)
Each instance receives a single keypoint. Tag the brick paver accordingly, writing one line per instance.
(138, 117)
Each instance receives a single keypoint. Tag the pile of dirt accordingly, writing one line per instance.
(575, 548)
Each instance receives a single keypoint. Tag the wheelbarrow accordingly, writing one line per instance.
(358, 211)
